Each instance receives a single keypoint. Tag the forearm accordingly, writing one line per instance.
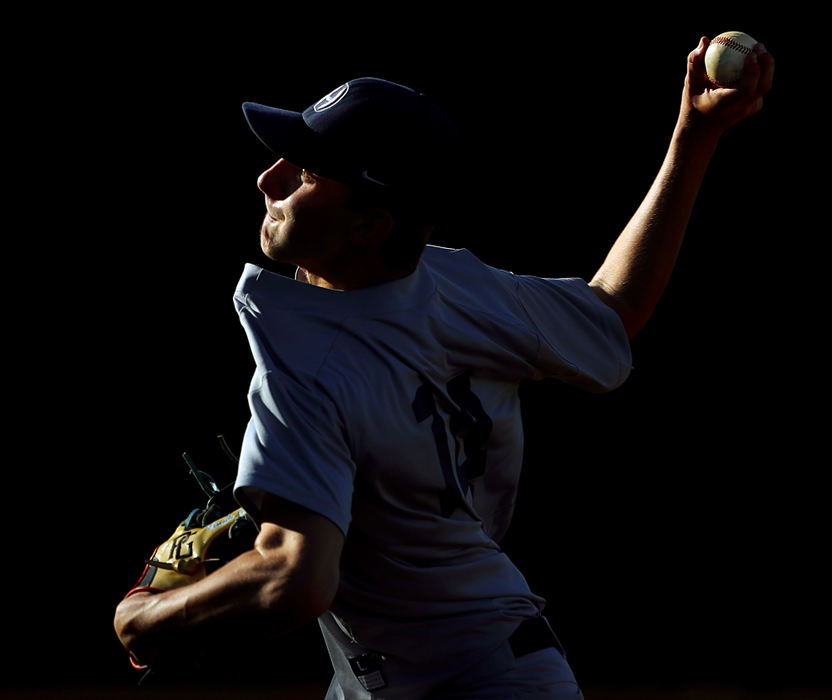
(150, 625)
(635, 273)
(638, 267)
(288, 579)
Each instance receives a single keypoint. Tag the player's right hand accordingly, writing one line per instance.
(720, 108)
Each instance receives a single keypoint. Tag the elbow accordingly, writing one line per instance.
(633, 317)
(632, 324)
(298, 585)
(300, 552)
(296, 597)
(302, 597)
(317, 599)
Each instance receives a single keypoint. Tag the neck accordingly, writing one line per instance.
(355, 279)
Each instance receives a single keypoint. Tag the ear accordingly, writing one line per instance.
(372, 227)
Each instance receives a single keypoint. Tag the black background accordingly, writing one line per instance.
(677, 526)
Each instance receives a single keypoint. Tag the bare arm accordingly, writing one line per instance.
(637, 269)
(288, 579)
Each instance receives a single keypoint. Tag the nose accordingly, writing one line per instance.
(279, 181)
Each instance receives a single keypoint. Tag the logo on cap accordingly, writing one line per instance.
(332, 99)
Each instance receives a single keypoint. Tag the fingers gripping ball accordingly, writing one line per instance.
(725, 57)
(185, 557)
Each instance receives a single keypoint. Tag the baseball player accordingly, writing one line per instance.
(382, 457)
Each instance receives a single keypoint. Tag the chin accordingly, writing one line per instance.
(268, 246)
(275, 253)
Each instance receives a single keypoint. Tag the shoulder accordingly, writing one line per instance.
(462, 274)
(442, 259)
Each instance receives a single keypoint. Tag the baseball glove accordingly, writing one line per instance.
(184, 557)
(205, 540)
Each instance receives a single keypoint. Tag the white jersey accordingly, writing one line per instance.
(393, 411)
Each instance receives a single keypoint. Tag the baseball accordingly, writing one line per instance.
(725, 57)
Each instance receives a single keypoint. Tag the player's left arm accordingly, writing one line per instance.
(638, 267)
(288, 579)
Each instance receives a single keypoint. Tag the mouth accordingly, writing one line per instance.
(273, 212)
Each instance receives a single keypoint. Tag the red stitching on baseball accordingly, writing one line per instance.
(730, 43)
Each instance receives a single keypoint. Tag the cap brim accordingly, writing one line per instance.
(288, 136)
(278, 129)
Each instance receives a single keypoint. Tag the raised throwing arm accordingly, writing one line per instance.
(637, 269)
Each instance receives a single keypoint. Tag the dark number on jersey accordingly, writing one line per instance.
(470, 426)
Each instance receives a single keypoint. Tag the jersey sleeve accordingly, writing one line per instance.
(582, 340)
(294, 448)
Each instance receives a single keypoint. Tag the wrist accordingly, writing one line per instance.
(694, 138)
(692, 126)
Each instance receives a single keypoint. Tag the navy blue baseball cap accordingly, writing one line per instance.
(368, 131)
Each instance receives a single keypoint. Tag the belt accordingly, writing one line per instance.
(533, 635)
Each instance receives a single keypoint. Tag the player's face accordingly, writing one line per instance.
(307, 222)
